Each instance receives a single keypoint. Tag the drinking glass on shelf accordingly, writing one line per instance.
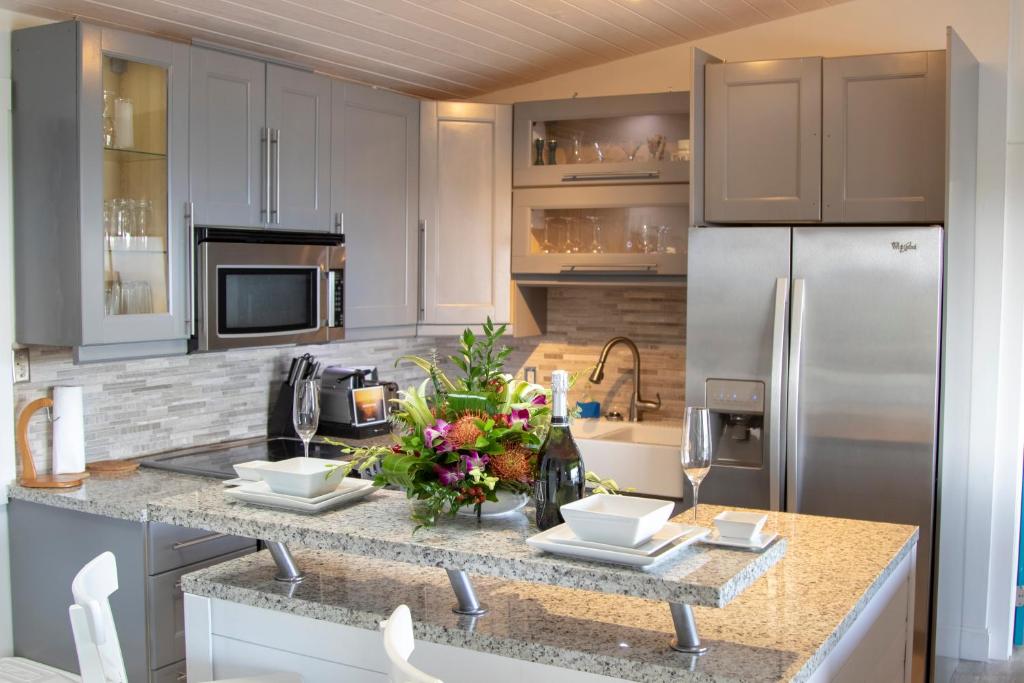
(632, 147)
(596, 246)
(550, 228)
(306, 410)
(108, 117)
(577, 148)
(695, 451)
(663, 245)
(600, 152)
(647, 239)
(112, 297)
(572, 235)
(118, 218)
(143, 216)
(131, 212)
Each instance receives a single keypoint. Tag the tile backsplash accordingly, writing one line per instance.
(138, 407)
(582, 319)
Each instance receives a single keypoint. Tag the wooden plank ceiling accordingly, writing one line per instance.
(441, 49)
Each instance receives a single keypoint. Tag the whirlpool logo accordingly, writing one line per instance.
(904, 247)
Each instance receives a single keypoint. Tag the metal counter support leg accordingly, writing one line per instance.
(287, 570)
(464, 593)
(686, 639)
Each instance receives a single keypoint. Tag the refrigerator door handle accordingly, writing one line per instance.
(793, 400)
(775, 400)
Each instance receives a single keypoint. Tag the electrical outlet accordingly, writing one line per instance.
(22, 370)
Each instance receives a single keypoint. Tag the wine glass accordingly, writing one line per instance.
(695, 450)
(596, 246)
(306, 410)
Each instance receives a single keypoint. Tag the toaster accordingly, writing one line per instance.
(354, 402)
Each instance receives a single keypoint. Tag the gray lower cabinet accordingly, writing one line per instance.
(884, 129)
(48, 547)
(100, 147)
(374, 186)
(260, 144)
(762, 155)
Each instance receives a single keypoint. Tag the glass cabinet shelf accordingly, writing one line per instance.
(641, 229)
(602, 140)
(124, 155)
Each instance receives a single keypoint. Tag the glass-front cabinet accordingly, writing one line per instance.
(602, 140)
(623, 230)
(125, 226)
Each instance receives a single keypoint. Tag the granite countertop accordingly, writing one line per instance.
(780, 629)
(379, 527)
(128, 496)
(122, 496)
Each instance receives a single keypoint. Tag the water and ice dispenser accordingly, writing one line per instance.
(737, 421)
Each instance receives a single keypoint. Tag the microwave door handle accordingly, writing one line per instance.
(793, 400)
(775, 432)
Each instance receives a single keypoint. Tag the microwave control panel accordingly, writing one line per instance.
(336, 290)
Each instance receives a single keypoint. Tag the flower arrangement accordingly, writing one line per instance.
(459, 442)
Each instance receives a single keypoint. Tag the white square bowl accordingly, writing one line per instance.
(304, 477)
(740, 525)
(625, 521)
(250, 471)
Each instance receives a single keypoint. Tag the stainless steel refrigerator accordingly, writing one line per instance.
(817, 352)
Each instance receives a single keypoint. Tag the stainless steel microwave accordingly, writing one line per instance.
(267, 288)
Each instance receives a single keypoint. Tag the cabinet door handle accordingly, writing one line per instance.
(265, 204)
(339, 222)
(275, 197)
(182, 676)
(610, 268)
(190, 276)
(181, 545)
(610, 175)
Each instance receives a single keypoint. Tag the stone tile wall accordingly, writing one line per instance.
(138, 407)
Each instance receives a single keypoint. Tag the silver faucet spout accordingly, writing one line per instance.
(636, 403)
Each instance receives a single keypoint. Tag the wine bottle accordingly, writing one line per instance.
(562, 477)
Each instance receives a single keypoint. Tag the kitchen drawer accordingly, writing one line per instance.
(172, 546)
(166, 611)
(172, 673)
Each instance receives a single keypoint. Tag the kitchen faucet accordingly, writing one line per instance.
(636, 403)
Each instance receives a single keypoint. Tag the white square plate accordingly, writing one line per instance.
(666, 535)
(259, 493)
(757, 543)
(553, 541)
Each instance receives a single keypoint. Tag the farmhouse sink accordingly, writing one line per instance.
(643, 456)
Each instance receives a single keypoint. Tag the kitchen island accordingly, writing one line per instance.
(832, 603)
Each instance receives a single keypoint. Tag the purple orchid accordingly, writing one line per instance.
(539, 400)
(519, 416)
(439, 432)
(449, 476)
(476, 461)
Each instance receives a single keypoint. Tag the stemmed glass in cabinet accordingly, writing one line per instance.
(306, 410)
(695, 450)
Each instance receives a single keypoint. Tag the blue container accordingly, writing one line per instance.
(589, 408)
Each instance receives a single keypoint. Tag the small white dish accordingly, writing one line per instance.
(757, 543)
(668, 533)
(250, 471)
(742, 526)
(259, 493)
(303, 477)
(553, 541)
(623, 521)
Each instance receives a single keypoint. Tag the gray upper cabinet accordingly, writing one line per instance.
(374, 186)
(602, 140)
(227, 114)
(299, 119)
(465, 178)
(883, 156)
(762, 155)
(260, 144)
(100, 190)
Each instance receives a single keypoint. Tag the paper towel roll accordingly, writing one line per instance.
(68, 430)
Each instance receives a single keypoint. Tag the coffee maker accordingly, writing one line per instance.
(354, 402)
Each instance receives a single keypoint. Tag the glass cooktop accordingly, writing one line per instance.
(218, 461)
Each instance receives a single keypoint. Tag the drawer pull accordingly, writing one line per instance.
(182, 676)
(610, 175)
(197, 541)
(611, 268)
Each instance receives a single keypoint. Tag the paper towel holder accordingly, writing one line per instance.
(29, 477)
